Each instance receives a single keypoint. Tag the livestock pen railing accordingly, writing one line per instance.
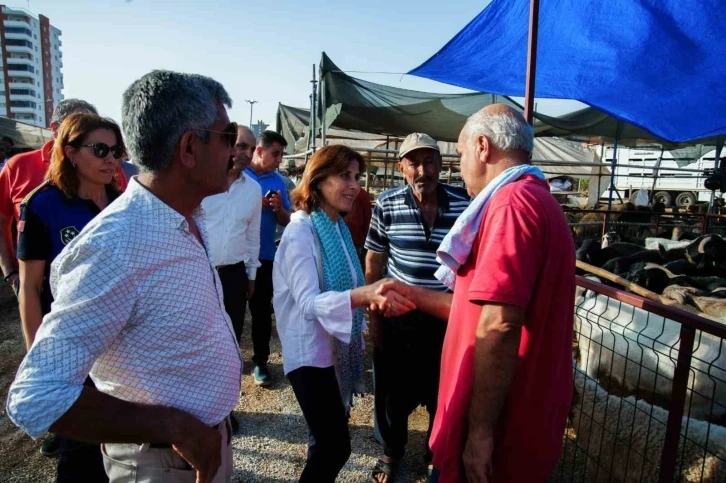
(638, 225)
(649, 400)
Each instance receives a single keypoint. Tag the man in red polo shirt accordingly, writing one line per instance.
(506, 371)
(21, 175)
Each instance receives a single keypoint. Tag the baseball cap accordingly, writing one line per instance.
(417, 140)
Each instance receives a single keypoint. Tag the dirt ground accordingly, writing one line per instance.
(271, 443)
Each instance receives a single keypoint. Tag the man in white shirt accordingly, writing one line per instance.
(232, 219)
(138, 304)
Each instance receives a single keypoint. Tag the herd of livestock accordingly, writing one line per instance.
(626, 357)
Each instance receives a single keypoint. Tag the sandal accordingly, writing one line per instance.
(388, 469)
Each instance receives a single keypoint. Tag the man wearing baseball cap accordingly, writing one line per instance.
(408, 224)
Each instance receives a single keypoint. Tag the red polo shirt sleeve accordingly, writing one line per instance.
(121, 179)
(509, 255)
(6, 199)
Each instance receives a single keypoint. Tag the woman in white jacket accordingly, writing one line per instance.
(319, 300)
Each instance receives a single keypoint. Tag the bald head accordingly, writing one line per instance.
(492, 140)
(244, 147)
(504, 126)
(504, 109)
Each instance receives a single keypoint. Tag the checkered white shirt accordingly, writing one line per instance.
(139, 305)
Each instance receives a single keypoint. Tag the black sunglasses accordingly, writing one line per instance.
(101, 150)
(230, 132)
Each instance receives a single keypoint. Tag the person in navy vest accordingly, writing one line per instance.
(80, 182)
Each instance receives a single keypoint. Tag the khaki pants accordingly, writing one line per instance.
(131, 463)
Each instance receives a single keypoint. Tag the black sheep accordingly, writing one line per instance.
(684, 267)
(590, 252)
(621, 265)
(706, 251)
(656, 278)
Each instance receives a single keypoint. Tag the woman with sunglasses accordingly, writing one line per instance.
(80, 182)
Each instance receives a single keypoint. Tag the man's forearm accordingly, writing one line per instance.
(8, 262)
(433, 303)
(31, 315)
(283, 217)
(374, 267)
(495, 359)
(115, 421)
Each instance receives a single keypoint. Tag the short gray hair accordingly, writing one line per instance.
(66, 107)
(163, 105)
(503, 129)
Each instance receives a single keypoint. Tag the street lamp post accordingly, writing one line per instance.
(252, 102)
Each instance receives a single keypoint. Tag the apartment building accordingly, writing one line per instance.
(32, 67)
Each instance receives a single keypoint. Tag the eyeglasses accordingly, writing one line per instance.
(101, 150)
(230, 131)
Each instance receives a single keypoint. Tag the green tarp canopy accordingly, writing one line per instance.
(360, 105)
(25, 136)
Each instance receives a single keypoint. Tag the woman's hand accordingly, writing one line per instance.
(390, 299)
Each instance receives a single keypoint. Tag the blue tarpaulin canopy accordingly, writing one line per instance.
(657, 64)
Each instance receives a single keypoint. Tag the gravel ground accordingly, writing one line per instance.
(271, 443)
(270, 446)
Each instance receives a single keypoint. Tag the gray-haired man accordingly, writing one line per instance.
(138, 286)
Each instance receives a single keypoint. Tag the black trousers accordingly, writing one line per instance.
(261, 310)
(318, 394)
(79, 461)
(406, 375)
(234, 290)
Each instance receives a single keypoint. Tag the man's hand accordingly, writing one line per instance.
(201, 447)
(390, 301)
(478, 458)
(14, 282)
(275, 202)
(250, 289)
(394, 288)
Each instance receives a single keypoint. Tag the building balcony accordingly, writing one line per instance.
(21, 83)
(13, 35)
(18, 23)
(19, 49)
(20, 61)
(23, 97)
(24, 110)
(16, 69)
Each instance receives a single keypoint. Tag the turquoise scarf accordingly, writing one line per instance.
(337, 277)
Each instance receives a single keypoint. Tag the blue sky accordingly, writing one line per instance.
(261, 50)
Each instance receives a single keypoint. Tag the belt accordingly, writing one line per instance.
(168, 445)
(220, 267)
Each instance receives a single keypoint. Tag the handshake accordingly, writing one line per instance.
(390, 298)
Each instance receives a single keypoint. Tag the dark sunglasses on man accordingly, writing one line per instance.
(230, 132)
(101, 150)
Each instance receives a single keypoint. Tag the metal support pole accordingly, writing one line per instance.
(368, 173)
(655, 174)
(612, 176)
(252, 102)
(324, 107)
(531, 60)
(668, 457)
(313, 111)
